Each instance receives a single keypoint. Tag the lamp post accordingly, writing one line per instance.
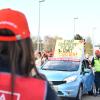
(38, 37)
(93, 31)
(75, 25)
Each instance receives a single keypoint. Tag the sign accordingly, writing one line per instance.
(2, 97)
(6, 95)
(69, 48)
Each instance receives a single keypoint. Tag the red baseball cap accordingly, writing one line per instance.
(16, 22)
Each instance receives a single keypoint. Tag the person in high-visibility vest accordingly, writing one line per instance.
(96, 64)
(17, 61)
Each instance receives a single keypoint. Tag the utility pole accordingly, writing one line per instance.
(38, 37)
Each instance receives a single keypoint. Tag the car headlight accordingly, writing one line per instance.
(70, 79)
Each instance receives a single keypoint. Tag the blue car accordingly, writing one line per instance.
(70, 78)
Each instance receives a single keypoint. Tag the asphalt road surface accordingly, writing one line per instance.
(87, 97)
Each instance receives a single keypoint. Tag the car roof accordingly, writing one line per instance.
(64, 59)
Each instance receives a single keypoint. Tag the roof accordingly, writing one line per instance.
(64, 59)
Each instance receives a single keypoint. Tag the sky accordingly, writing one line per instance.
(57, 17)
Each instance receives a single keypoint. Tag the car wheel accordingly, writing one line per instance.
(93, 90)
(80, 92)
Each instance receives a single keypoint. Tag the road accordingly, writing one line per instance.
(87, 97)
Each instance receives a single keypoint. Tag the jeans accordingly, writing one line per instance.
(97, 80)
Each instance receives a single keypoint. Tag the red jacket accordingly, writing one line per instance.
(25, 88)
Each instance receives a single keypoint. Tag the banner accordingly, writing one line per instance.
(69, 48)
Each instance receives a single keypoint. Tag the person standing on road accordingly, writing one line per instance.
(38, 60)
(44, 58)
(96, 64)
(16, 61)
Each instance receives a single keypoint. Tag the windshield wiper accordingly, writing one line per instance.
(47, 69)
(44, 69)
(62, 70)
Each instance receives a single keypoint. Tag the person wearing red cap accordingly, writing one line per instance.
(17, 61)
(96, 64)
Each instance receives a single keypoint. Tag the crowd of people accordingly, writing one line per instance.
(42, 57)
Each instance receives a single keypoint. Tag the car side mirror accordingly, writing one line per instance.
(86, 70)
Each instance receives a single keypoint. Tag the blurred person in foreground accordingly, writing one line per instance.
(96, 64)
(16, 61)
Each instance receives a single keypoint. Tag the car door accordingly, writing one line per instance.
(87, 77)
(90, 78)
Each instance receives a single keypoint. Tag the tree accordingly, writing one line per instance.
(78, 37)
(88, 46)
(49, 42)
(34, 40)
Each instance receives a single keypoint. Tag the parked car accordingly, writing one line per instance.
(69, 77)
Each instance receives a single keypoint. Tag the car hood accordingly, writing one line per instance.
(57, 75)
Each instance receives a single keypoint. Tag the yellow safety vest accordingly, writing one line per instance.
(97, 65)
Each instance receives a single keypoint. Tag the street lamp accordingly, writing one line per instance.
(93, 31)
(75, 25)
(38, 37)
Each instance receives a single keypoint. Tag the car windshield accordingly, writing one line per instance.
(61, 65)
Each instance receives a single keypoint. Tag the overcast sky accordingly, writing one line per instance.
(57, 17)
